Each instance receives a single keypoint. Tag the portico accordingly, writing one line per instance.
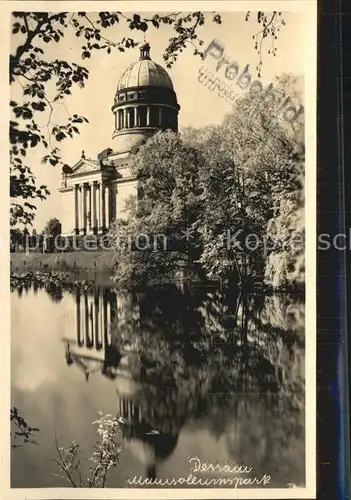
(92, 207)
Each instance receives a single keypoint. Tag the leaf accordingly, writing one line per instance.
(60, 136)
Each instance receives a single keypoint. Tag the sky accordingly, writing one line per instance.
(199, 106)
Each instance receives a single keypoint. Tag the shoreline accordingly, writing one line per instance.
(92, 269)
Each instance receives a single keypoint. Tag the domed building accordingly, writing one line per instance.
(94, 191)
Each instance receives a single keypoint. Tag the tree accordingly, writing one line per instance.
(47, 82)
(33, 69)
(285, 266)
(155, 234)
(16, 238)
(216, 195)
(105, 456)
(52, 228)
(252, 162)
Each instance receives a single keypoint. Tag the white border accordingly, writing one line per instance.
(309, 10)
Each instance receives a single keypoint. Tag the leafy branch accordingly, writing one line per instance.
(270, 24)
(105, 456)
(31, 67)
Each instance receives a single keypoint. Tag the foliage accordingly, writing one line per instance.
(286, 264)
(230, 357)
(52, 228)
(104, 458)
(229, 197)
(154, 235)
(18, 237)
(46, 82)
(21, 429)
(253, 162)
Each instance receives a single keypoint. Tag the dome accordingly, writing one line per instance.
(144, 103)
(144, 73)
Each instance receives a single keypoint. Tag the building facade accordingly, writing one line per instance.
(94, 191)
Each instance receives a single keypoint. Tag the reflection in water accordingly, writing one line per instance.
(178, 358)
(91, 350)
(205, 371)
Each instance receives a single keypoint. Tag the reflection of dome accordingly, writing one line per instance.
(148, 447)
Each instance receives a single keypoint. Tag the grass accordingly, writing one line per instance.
(75, 262)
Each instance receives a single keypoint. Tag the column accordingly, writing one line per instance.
(97, 321)
(108, 216)
(81, 207)
(123, 121)
(125, 407)
(109, 322)
(86, 311)
(101, 320)
(76, 208)
(93, 205)
(105, 326)
(148, 116)
(135, 116)
(84, 207)
(82, 320)
(102, 205)
(91, 322)
(79, 332)
(89, 206)
(160, 116)
(98, 205)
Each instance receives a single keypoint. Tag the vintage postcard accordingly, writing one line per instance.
(159, 327)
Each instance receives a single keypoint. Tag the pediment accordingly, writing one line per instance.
(85, 166)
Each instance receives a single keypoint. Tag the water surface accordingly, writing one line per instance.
(203, 373)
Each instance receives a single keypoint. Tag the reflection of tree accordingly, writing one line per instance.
(236, 360)
(50, 284)
(20, 429)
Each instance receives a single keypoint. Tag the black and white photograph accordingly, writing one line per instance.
(161, 330)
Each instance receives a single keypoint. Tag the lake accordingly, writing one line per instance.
(203, 373)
